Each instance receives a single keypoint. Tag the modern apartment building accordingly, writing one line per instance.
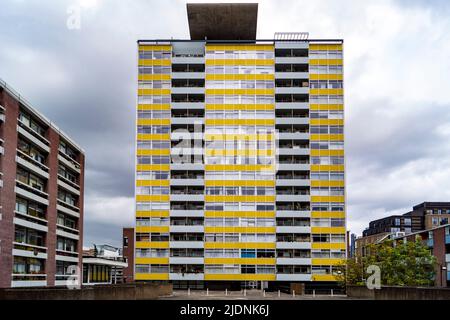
(240, 155)
(41, 197)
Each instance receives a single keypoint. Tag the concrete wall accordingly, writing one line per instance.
(135, 291)
(399, 293)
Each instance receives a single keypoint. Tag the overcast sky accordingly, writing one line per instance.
(397, 82)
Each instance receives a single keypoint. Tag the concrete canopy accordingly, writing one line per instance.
(222, 21)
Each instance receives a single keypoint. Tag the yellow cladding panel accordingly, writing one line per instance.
(326, 107)
(328, 246)
(151, 229)
(154, 106)
(327, 214)
(153, 167)
(149, 183)
(234, 137)
(327, 183)
(154, 197)
(327, 198)
(241, 277)
(154, 62)
(240, 77)
(327, 167)
(238, 47)
(333, 230)
(240, 214)
(239, 245)
(154, 77)
(323, 277)
(239, 152)
(325, 47)
(213, 198)
(326, 91)
(240, 62)
(153, 122)
(233, 106)
(239, 122)
(157, 47)
(155, 136)
(326, 137)
(239, 167)
(153, 152)
(156, 92)
(149, 214)
(151, 276)
(151, 261)
(326, 77)
(267, 261)
(334, 62)
(326, 262)
(156, 244)
(240, 183)
(326, 122)
(240, 229)
(326, 153)
(240, 91)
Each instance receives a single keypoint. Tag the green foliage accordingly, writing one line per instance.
(408, 263)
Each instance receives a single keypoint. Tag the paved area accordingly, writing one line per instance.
(247, 295)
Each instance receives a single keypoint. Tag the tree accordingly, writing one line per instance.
(405, 263)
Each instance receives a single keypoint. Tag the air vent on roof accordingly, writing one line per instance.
(291, 35)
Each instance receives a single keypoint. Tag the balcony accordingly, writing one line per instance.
(185, 60)
(20, 280)
(293, 277)
(186, 244)
(32, 225)
(187, 213)
(187, 197)
(292, 60)
(32, 135)
(293, 135)
(186, 276)
(186, 260)
(31, 193)
(69, 162)
(293, 197)
(293, 245)
(187, 166)
(292, 120)
(293, 229)
(186, 182)
(28, 162)
(293, 214)
(67, 186)
(186, 228)
(66, 234)
(294, 261)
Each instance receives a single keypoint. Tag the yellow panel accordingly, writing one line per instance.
(239, 122)
(155, 62)
(327, 183)
(328, 246)
(327, 214)
(157, 92)
(327, 167)
(241, 277)
(151, 276)
(240, 183)
(325, 47)
(155, 47)
(236, 47)
(326, 137)
(326, 77)
(326, 107)
(154, 77)
(333, 62)
(326, 122)
(327, 199)
(266, 261)
(153, 167)
(233, 137)
(148, 183)
(239, 62)
(214, 198)
(153, 152)
(240, 77)
(233, 106)
(239, 167)
(151, 260)
(326, 91)
(148, 214)
(153, 106)
(150, 229)
(239, 245)
(240, 229)
(155, 198)
(333, 230)
(240, 214)
(153, 122)
(323, 277)
(154, 244)
(239, 152)
(240, 91)
(155, 136)
(326, 262)
(326, 153)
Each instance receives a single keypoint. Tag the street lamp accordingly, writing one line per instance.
(444, 276)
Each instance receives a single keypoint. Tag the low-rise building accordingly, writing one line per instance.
(128, 254)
